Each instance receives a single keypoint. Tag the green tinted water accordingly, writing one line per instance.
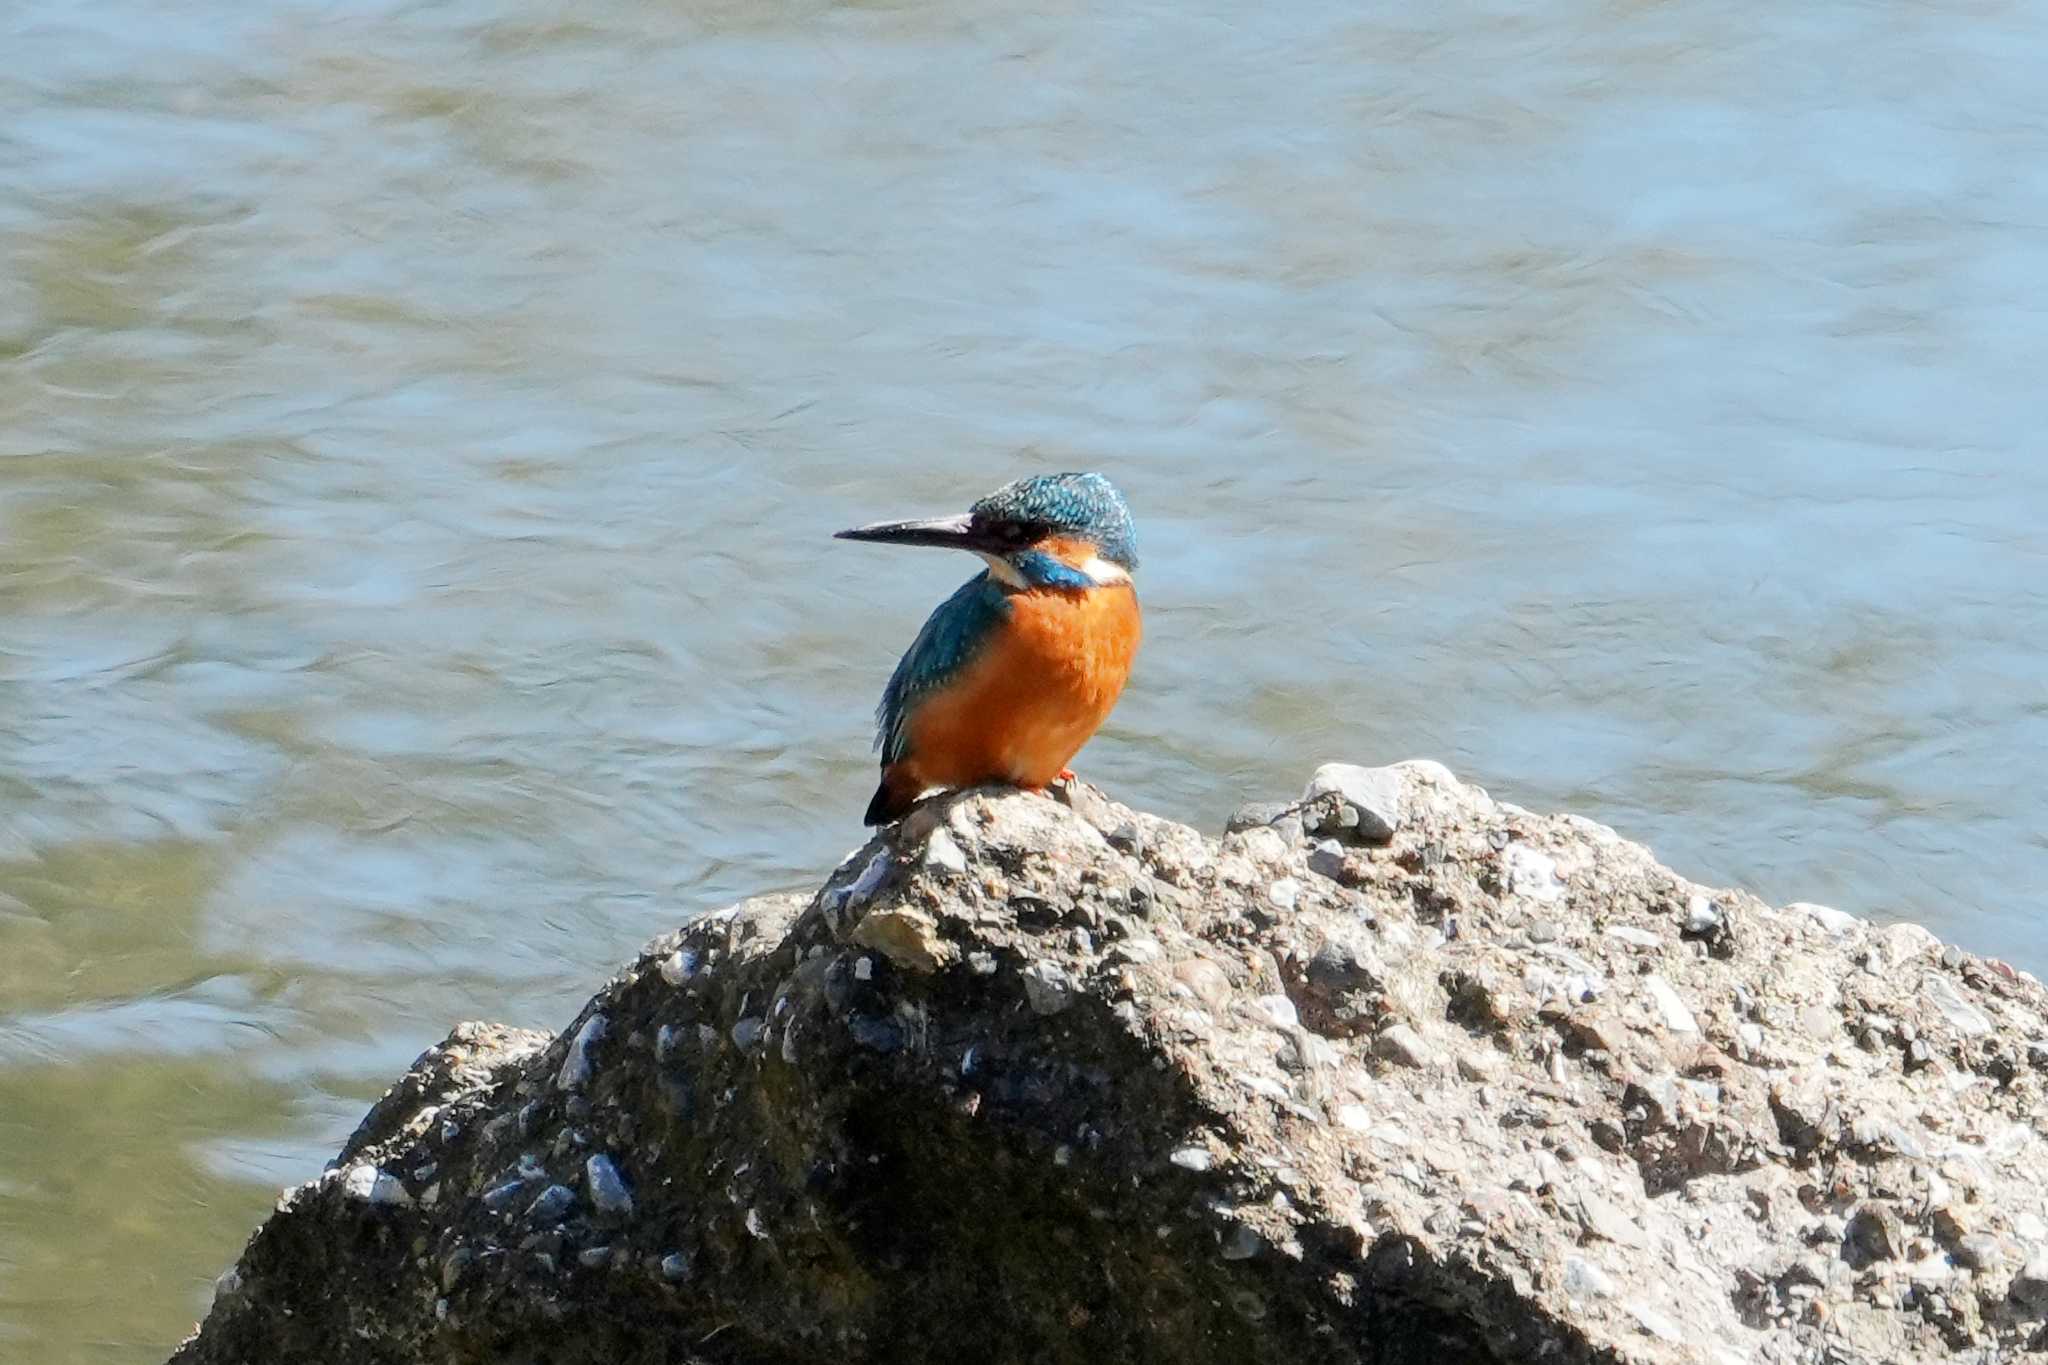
(421, 426)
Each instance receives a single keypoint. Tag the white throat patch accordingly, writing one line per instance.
(1004, 571)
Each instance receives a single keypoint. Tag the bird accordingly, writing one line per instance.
(1014, 672)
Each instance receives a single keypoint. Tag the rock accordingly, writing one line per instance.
(551, 1206)
(1874, 1233)
(366, 1183)
(1328, 859)
(1276, 1010)
(1835, 922)
(1256, 814)
(1532, 873)
(1704, 915)
(578, 1063)
(1979, 1251)
(1673, 1011)
(2029, 1292)
(907, 936)
(1402, 1044)
(1655, 1323)
(1047, 987)
(608, 1192)
(1094, 1087)
(1584, 1280)
(940, 851)
(1963, 1016)
(1375, 795)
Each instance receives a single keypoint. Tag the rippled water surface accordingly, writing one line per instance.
(420, 427)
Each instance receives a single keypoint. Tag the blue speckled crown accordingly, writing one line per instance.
(1069, 504)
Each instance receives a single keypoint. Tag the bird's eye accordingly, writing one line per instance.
(1010, 532)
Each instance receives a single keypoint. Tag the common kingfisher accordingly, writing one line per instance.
(1013, 673)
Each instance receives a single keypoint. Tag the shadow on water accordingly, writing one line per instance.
(420, 430)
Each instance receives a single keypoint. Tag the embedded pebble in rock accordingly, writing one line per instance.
(1532, 873)
(1675, 1013)
(874, 1034)
(503, 1196)
(369, 1185)
(1241, 1244)
(1142, 951)
(1836, 922)
(578, 1065)
(608, 1192)
(1205, 980)
(942, 852)
(1048, 987)
(1377, 794)
(1584, 1280)
(1789, 1145)
(1403, 1044)
(1703, 915)
(1277, 1010)
(1966, 1017)
(1656, 1323)
(1979, 1251)
(1254, 814)
(1874, 1233)
(2029, 1290)
(454, 1266)
(868, 882)
(551, 1206)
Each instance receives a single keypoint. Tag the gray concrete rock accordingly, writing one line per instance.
(1079, 1079)
(1368, 801)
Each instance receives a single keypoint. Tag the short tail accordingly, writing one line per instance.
(893, 799)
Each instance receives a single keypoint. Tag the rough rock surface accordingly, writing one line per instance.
(1054, 1080)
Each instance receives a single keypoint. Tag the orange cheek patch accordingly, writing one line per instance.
(1067, 550)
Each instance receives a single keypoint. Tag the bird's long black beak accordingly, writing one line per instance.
(947, 533)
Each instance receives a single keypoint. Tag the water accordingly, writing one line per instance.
(421, 426)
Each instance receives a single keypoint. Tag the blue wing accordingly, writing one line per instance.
(950, 639)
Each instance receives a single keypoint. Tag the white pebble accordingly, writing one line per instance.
(1670, 1008)
(368, 1185)
(1277, 1010)
(1532, 873)
(577, 1066)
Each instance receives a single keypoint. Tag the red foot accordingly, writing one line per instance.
(1067, 775)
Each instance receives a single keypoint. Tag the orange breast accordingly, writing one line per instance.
(1034, 696)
